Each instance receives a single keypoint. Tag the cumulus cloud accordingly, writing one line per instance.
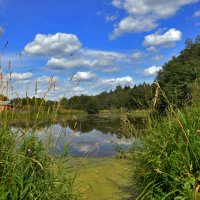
(79, 90)
(152, 49)
(152, 71)
(20, 76)
(47, 79)
(91, 59)
(197, 13)
(117, 3)
(60, 64)
(53, 45)
(64, 51)
(132, 24)
(112, 70)
(137, 55)
(143, 15)
(157, 57)
(108, 84)
(167, 39)
(118, 81)
(84, 76)
(104, 54)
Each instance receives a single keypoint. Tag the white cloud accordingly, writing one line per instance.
(152, 71)
(64, 52)
(112, 70)
(168, 39)
(137, 55)
(132, 24)
(79, 90)
(157, 57)
(108, 84)
(104, 54)
(159, 8)
(47, 79)
(143, 15)
(84, 76)
(117, 3)
(53, 45)
(118, 81)
(197, 13)
(60, 64)
(20, 76)
(152, 49)
(92, 59)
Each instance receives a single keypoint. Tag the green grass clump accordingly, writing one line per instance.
(166, 163)
(28, 170)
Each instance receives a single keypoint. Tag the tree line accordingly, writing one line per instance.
(178, 83)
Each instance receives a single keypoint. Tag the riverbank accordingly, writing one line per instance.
(64, 115)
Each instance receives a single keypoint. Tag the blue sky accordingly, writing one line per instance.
(100, 43)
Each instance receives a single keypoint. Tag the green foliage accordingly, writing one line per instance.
(28, 171)
(92, 106)
(178, 74)
(166, 164)
(3, 98)
(133, 98)
(139, 96)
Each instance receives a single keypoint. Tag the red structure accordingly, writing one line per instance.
(5, 105)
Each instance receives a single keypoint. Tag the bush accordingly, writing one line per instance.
(28, 171)
(166, 164)
(92, 107)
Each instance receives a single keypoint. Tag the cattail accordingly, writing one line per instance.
(156, 94)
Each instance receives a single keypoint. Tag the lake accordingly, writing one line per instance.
(91, 136)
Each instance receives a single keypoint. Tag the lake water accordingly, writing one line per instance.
(91, 136)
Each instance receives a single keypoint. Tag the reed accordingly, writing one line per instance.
(166, 162)
(27, 168)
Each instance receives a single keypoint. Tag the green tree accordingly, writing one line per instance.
(92, 106)
(178, 74)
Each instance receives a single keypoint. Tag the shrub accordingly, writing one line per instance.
(92, 107)
(166, 164)
(28, 170)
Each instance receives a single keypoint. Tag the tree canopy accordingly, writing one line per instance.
(179, 74)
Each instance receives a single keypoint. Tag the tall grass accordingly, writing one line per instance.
(166, 163)
(27, 168)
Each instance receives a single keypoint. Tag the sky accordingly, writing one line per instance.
(90, 46)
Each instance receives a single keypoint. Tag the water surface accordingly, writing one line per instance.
(92, 136)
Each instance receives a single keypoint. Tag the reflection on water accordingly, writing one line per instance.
(88, 137)
(92, 143)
